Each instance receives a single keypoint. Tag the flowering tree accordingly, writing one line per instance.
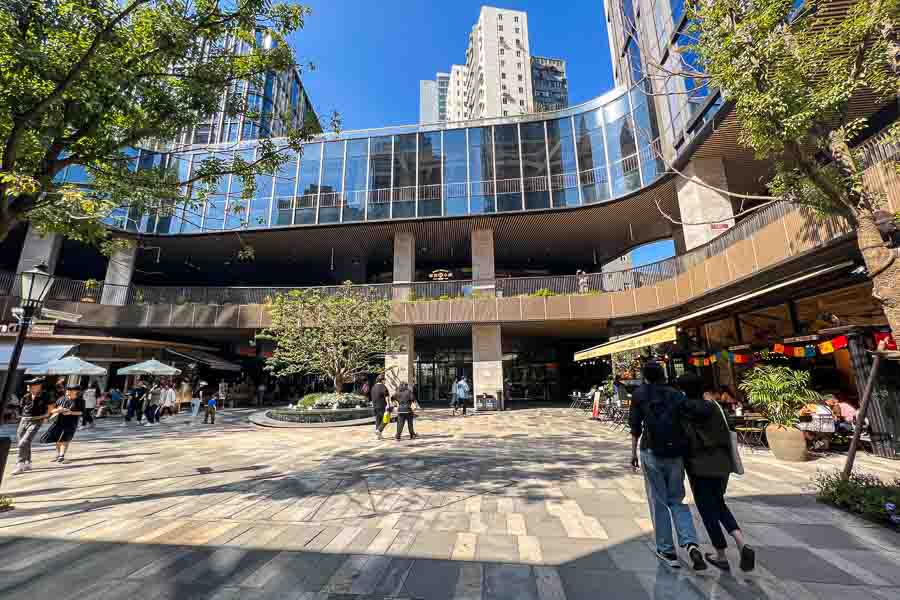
(340, 336)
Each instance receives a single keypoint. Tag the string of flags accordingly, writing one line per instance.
(807, 351)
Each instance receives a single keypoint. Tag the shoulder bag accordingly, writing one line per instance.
(737, 465)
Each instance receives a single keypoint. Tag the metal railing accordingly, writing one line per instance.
(881, 147)
(72, 290)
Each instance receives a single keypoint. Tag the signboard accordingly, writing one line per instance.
(720, 226)
(440, 275)
(660, 336)
(486, 403)
(41, 329)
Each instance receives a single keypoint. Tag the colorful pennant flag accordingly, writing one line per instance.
(778, 349)
(826, 347)
(741, 359)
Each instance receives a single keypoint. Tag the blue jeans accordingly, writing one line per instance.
(664, 480)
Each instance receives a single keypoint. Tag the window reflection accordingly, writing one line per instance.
(404, 192)
(481, 170)
(456, 201)
(380, 178)
(506, 145)
(308, 185)
(430, 167)
(592, 157)
(285, 182)
(355, 180)
(563, 175)
(332, 184)
(534, 166)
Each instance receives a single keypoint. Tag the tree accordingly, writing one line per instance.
(85, 82)
(791, 75)
(341, 335)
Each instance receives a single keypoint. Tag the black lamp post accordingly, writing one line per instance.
(36, 284)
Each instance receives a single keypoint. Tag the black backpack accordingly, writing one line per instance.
(663, 423)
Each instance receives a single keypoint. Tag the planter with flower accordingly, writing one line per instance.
(91, 291)
(781, 392)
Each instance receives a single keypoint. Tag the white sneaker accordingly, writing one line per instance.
(20, 468)
(28, 466)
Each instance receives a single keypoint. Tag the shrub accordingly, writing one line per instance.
(328, 400)
(5, 503)
(864, 494)
(543, 293)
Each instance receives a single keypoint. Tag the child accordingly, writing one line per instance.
(211, 410)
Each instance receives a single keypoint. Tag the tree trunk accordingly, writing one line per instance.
(338, 382)
(883, 265)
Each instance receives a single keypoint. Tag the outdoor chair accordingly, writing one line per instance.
(750, 437)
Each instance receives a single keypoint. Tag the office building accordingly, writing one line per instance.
(433, 99)
(551, 87)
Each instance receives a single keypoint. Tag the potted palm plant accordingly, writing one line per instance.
(780, 392)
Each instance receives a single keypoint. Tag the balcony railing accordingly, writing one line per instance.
(808, 225)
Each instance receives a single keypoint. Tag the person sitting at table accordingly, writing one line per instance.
(728, 400)
(818, 427)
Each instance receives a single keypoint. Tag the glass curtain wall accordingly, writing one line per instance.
(355, 180)
(332, 185)
(591, 147)
(563, 164)
(285, 181)
(404, 192)
(308, 185)
(380, 157)
(509, 168)
(535, 165)
(456, 200)
(260, 204)
(621, 147)
(481, 170)
(430, 171)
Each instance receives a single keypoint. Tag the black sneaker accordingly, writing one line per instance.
(696, 557)
(670, 558)
(748, 559)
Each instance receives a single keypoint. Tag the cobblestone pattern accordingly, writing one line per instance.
(531, 504)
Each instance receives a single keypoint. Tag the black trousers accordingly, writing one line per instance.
(709, 495)
(87, 417)
(379, 419)
(403, 419)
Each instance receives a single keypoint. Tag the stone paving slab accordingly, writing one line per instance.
(528, 504)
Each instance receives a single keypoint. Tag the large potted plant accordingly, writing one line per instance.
(780, 392)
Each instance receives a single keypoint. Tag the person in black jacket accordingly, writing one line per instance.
(405, 401)
(379, 396)
(655, 418)
(708, 466)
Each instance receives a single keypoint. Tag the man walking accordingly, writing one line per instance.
(36, 407)
(379, 395)
(655, 420)
(462, 394)
(210, 415)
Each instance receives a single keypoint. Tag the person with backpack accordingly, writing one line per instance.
(656, 421)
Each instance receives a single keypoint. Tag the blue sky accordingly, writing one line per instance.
(370, 56)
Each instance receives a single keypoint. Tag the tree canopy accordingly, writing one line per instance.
(341, 335)
(85, 82)
(797, 77)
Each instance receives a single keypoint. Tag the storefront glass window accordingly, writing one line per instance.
(380, 178)
(509, 196)
(534, 165)
(481, 170)
(456, 201)
(355, 179)
(562, 162)
(430, 167)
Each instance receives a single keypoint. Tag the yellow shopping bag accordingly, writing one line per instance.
(386, 419)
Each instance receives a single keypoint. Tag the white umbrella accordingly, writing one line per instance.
(149, 367)
(71, 365)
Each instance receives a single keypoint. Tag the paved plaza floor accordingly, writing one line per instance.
(529, 504)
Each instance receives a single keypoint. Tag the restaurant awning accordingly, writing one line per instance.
(214, 362)
(661, 333)
(34, 354)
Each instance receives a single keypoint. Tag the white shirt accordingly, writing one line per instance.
(168, 397)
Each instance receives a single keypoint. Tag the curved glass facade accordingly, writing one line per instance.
(592, 153)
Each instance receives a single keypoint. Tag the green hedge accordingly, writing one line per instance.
(863, 494)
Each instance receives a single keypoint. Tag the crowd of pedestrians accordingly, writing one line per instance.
(677, 431)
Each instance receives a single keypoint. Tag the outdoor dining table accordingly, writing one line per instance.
(750, 429)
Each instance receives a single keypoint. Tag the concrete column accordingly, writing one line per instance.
(401, 365)
(39, 249)
(404, 263)
(118, 277)
(487, 360)
(699, 204)
(483, 272)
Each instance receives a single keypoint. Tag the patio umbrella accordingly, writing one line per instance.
(149, 367)
(71, 365)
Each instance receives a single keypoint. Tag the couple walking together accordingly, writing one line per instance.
(403, 401)
(680, 432)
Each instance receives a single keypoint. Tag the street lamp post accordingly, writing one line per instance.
(36, 284)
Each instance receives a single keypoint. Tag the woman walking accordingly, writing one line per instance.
(91, 395)
(66, 415)
(405, 402)
(709, 467)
